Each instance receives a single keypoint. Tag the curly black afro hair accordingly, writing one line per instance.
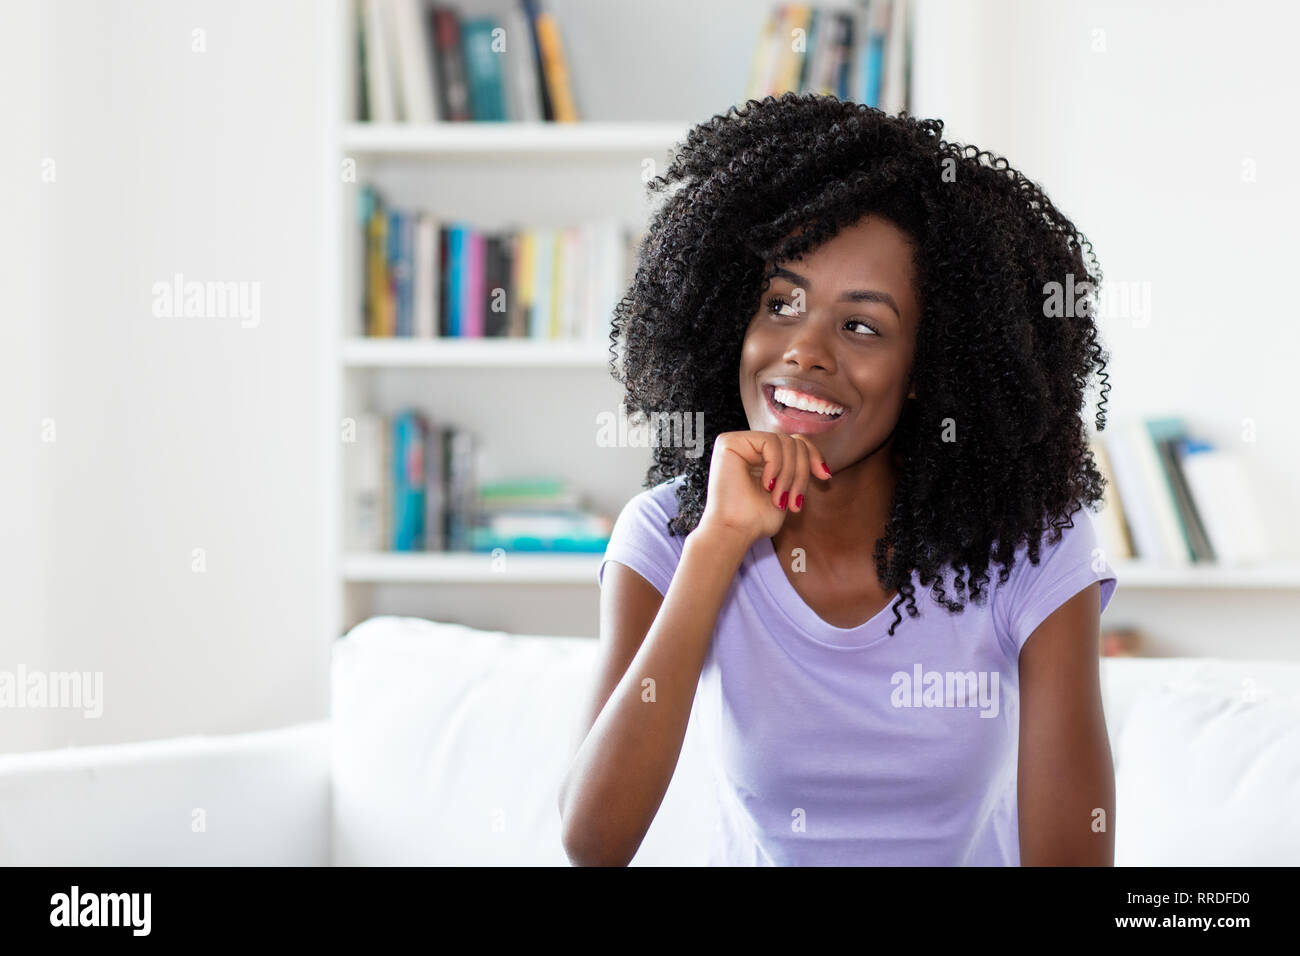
(771, 180)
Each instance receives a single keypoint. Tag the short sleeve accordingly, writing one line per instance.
(640, 538)
(1033, 592)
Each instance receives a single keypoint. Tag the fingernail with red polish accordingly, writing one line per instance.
(798, 501)
(771, 484)
(825, 469)
(784, 496)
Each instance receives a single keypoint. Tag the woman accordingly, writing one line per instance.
(889, 337)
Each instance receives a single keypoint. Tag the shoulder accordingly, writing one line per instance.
(1065, 567)
(640, 538)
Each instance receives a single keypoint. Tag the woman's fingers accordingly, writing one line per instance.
(816, 463)
(802, 469)
(789, 470)
(787, 463)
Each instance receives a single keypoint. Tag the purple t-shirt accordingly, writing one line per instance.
(848, 746)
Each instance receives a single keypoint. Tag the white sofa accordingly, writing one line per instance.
(446, 746)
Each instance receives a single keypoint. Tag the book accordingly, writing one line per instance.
(816, 40)
(757, 85)
(1218, 482)
(531, 10)
(555, 69)
(1168, 444)
(484, 70)
(409, 435)
(1174, 519)
(363, 461)
(424, 277)
(1182, 500)
(873, 56)
(414, 63)
(1141, 481)
(435, 488)
(449, 58)
(1112, 528)
(537, 514)
(896, 67)
(524, 98)
(797, 17)
(461, 450)
(381, 95)
(862, 53)
(420, 61)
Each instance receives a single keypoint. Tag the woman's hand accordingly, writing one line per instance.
(756, 478)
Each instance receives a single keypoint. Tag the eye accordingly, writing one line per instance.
(866, 325)
(776, 303)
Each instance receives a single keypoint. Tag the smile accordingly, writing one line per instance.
(802, 421)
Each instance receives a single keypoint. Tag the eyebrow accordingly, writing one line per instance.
(849, 295)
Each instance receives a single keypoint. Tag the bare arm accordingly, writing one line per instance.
(1066, 775)
(622, 769)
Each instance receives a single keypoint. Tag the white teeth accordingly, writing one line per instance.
(798, 400)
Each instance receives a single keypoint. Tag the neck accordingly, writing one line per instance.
(844, 515)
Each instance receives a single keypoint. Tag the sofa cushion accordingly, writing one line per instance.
(450, 744)
(1208, 774)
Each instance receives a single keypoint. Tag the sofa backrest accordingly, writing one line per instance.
(450, 743)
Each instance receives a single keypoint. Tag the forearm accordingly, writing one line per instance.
(622, 770)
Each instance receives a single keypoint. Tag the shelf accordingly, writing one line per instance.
(1138, 574)
(473, 353)
(508, 140)
(581, 569)
(471, 568)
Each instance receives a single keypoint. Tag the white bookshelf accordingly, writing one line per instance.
(510, 141)
(431, 568)
(581, 568)
(491, 174)
(554, 173)
(472, 353)
(1139, 574)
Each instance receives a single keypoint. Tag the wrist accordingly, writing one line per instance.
(721, 539)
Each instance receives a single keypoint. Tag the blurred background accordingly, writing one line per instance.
(307, 306)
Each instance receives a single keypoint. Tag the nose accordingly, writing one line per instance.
(808, 347)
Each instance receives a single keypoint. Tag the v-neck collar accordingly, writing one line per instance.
(808, 622)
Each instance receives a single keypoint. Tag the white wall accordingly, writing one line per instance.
(177, 433)
(1143, 144)
(22, 390)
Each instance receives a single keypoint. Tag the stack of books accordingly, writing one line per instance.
(422, 62)
(862, 54)
(539, 514)
(413, 486)
(1175, 500)
(426, 277)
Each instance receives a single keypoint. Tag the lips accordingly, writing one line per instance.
(811, 389)
(796, 421)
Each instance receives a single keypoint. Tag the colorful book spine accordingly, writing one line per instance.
(408, 482)
(556, 68)
(455, 279)
(474, 285)
(484, 70)
(426, 278)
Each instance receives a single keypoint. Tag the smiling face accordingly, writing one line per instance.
(837, 327)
